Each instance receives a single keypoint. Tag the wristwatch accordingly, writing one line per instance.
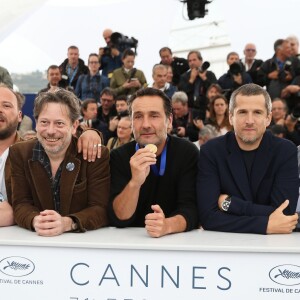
(226, 203)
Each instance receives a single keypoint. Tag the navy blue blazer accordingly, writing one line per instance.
(221, 170)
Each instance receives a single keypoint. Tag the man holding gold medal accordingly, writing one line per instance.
(153, 177)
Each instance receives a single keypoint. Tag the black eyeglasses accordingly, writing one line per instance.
(252, 50)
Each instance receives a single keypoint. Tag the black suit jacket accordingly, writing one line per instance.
(274, 178)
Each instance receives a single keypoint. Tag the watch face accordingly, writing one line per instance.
(225, 205)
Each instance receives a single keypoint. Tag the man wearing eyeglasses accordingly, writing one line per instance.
(251, 64)
(105, 115)
(91, 85)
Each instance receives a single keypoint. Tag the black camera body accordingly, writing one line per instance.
(122, 42)
(287, 68)
(295, 114)
(204, 67)
(236, 68)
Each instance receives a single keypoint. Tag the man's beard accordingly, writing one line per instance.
(9, 130)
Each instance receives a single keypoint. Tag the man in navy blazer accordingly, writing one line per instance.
(248, 179)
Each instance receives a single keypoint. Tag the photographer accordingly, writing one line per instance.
(235, 77)
(291, 93)
(279, 71)
(182, 126)
(109, 56)
(289, 121)
(196, 81)
(292, 124)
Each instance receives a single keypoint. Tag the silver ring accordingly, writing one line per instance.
(95, 146)
(99, 145)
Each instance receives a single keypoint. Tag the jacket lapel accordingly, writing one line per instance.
(41, 183)
(67, 182)
(237, 167)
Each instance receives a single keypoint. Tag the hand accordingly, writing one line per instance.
(280, 223)
(198, 123)
(132, 84)
(193, 75)
(127, 84)
(203, 76)
(156, 224)
(136, 83)
(90, 145)
(290, 89)
(113, 123)
(51, 223)
(222, 197)
(84, 126)
(140, 164)
(273, 74)
(238, 79)
(290, 123)
(281, 122)
(288, 76)
(181, 131)
(114, 52)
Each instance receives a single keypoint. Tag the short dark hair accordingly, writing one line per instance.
(85, 103)
(20, 98)
(195, 52)
(278, 43)
(73, 47)
(250, 89)
(52, 67)
(148, 91)
(108, 91)
(121, 98)
(60, 96)
(93, 54)
(231, 53)
(128, 52)
(165, 49)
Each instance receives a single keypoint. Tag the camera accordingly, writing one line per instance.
(236, 68)
(174, 131)
(204, 67)
(295, 114)
(122, 42)
(198, 114)
(286, 68)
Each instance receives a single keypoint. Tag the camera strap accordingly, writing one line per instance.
(132, 73)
